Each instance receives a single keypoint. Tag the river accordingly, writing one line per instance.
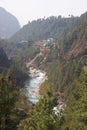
(33, 85)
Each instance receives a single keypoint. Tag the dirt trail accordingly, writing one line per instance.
(43, 52)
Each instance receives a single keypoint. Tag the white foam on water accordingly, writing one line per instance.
(33, 85)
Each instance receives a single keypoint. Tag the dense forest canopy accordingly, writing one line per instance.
(43, 28)
(65, 61)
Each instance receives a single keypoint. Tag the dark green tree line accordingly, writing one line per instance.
(8, 97)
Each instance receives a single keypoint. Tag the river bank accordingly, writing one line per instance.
(37, 77)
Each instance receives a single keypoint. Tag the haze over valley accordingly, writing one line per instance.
(43, 67)
(8, 24)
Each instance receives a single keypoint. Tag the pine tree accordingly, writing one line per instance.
(8, 96)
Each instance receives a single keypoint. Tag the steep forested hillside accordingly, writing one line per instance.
(74, 117)
(73, 39)
(43, 29)
(65, 63)
(70, 54)
(12, 78)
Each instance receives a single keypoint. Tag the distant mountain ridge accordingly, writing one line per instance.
(43, 29)
(8, 24)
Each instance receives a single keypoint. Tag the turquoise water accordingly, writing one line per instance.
(33, 87)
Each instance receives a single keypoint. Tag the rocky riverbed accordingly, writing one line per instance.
(37, 77)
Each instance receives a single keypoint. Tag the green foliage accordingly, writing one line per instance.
(53, 54)
(43, 29)
(75, 115)
(28, 53)
(18, 74)
(8, 97)
(64, 63)
(42, 116)
(64, 67)
(62, 74)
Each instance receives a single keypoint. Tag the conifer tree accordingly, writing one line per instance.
(8, 97)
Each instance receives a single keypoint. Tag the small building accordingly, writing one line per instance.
(50, 40)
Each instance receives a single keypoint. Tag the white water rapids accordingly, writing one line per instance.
(33, 85)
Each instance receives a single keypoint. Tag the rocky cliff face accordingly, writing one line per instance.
(8, 24)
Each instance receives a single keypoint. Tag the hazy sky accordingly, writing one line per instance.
(27, 10)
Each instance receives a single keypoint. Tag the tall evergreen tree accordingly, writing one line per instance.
(8, 97)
